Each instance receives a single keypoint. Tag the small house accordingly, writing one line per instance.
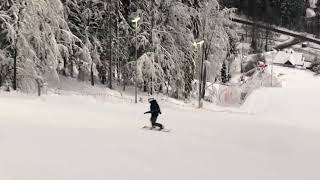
(289, 58)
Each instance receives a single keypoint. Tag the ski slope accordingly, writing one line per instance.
(274, 135)
(296, 103)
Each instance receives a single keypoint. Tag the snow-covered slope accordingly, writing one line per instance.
(73, 137)
(296, 103)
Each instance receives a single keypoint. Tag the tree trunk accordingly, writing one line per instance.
(0, 78)
(204, 80)
(110, 44)
(117, 51)
(64, 66)
(124, 75)
(160, 88)
(92, 77)
(145, 87)
(252, 9)
(151, 87)
(15, 68)
(246, 33)
(318, 26)
(267, 38)
(253, 39)
(71, 69)
(153, 22)
(168, 88)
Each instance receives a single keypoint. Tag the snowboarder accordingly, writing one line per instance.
(155, 111)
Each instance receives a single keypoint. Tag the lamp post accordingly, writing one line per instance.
(196, 44)
(135, 20)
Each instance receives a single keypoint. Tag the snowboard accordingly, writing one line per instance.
(155, 129)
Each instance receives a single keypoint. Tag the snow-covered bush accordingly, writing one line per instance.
(229, 95)
(258, 80)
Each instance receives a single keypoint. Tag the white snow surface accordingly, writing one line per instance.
(274, 135)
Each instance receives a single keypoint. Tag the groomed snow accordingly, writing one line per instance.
(274, 135)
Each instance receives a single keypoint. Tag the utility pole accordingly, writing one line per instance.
(196, 44)
(136, 71)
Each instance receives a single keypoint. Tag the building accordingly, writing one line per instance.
(289, 58)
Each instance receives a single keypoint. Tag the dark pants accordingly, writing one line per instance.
(153, 120)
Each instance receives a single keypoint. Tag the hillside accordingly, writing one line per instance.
(274, 135)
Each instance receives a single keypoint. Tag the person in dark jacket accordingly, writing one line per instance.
(155, 111)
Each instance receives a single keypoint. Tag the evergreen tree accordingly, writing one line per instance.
(224, 73)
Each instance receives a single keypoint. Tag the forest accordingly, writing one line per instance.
(154, 43)
(288, 13)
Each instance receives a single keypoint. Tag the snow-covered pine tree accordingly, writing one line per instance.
(7, 36)
(166, 34)
(37, 39)
(23, 43)
(180, 46)
(156, 62)
(84, 19)
(218, 31)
